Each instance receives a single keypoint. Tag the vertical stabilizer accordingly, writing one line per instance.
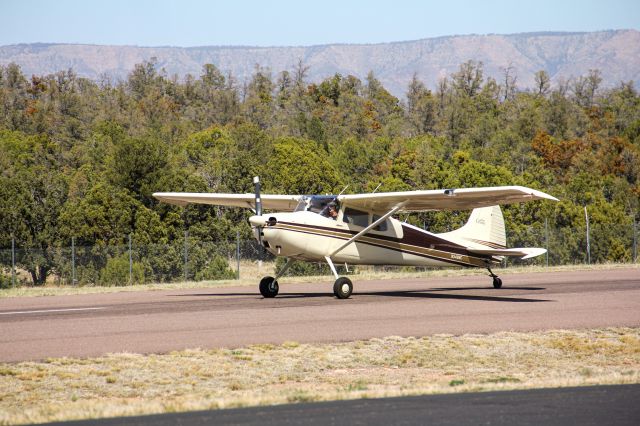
(485, 227)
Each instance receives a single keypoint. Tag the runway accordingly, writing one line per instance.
(33, 328)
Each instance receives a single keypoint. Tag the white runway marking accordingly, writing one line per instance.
(52, 310)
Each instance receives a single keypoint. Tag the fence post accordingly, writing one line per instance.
(186, 256)
(237, 255)
(546, 239)
(586, 216)
(13, 261)
(130, 263)
(73, 260)
(635, 240)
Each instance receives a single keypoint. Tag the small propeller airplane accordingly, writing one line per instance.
(359, 229)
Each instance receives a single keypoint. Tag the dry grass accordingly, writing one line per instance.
(129, 384)
(251, 274)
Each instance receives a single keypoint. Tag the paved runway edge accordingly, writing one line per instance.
(592, 405)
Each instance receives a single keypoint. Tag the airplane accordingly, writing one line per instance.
(359, 229)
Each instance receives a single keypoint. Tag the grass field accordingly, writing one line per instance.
(251, 275)
(130, 384)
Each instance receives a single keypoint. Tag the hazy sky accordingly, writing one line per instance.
(268, 23)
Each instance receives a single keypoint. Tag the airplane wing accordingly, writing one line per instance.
(443, 199)
(271, 202)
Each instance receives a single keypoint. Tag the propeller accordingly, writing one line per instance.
(256, 184)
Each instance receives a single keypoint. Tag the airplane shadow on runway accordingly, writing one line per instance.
(485, 288)
(426, 294)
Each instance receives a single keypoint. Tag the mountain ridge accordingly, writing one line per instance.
(530, 33)
(616, 53)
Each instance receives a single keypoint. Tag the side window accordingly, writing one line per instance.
(356, 217)
(382, 226)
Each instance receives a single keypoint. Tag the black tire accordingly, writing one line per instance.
(269, 287)
(497, 282)
(342, 288)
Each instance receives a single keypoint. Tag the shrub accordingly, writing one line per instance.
(116, 272)
(5, 280)
(217, 268)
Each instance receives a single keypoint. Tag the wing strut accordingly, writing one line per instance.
(370, 227)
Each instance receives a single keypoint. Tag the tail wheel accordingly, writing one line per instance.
(342, 288)
(269, 287)
(497, 282)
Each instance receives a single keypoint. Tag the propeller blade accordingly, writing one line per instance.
(256, 184)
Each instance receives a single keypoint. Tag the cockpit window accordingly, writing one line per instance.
(356, 217)
(381, 226)
(320, 204)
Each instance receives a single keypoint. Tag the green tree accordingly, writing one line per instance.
(34, 191)
(105, 216)
(542, 83)
(300, 166)
(258, 102)
(421, 107)
(137, 164)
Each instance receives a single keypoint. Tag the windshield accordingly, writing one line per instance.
(302, 204)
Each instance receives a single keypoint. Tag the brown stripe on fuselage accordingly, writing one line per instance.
(487, 243)
(419, 238)
(414, 242)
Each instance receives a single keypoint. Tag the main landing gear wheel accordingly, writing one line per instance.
(269, 287)
(342, 288)
(497, 282)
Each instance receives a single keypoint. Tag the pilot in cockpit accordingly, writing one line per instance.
(330, 210)
(333, 212)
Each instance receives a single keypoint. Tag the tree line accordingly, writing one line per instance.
(81, 158)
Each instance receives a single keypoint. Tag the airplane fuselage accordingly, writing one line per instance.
(309, 236)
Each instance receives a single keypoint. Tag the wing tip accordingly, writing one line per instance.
(166, 197)
(545, 196)
(537, 194)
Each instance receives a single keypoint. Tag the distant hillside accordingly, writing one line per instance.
(562, 55)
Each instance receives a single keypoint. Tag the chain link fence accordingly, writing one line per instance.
(125, 265)
(190, 260)
(601, 243)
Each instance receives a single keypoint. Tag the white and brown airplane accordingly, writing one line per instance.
(359, 229)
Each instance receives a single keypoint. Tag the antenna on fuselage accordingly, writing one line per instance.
(379, 185)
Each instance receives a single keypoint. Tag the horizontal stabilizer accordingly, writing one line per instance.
(525, 252)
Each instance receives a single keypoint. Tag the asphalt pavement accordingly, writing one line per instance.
(598, 405)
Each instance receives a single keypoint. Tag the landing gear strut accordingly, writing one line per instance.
(497, 282)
